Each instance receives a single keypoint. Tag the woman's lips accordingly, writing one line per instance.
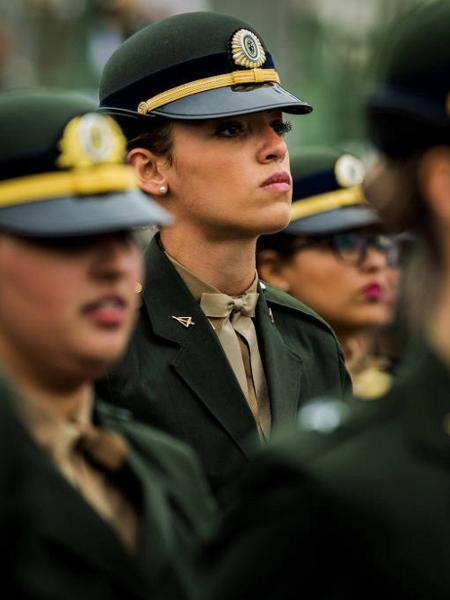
(110, 311)
(373, 291)
(279, 182)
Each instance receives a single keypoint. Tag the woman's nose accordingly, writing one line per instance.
(116, 257)
(374, 259)
(272, 146)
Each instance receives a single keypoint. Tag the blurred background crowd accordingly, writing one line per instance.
(324, 48)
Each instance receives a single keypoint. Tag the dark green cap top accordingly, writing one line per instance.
(194, 66)
(62, 169)
(410, 109)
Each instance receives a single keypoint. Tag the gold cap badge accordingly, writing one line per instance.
(91, 140)
(349, 171)
(247, 49)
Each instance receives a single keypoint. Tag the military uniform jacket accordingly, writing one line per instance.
(359, 512)
(64, 549)
(178, 378)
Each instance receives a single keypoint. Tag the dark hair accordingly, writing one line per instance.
(153, 133)
(285, 244)
(393, 188)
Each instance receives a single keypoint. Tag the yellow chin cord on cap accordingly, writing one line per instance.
(99, 179)
(324, 202)
(249, 76)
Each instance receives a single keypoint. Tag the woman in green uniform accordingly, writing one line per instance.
(200, 99)
(335, 257)
(356, 503)
(94, 492)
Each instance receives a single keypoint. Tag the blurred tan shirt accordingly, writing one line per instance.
(60, 438)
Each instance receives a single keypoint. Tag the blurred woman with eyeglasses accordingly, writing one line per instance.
(335, 258)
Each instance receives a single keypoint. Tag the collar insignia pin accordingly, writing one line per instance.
(185, 321)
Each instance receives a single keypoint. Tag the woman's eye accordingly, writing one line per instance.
(347, 241)
(282, 127)
(230, 129)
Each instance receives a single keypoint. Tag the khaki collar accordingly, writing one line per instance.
(197, 287)
(56, 434)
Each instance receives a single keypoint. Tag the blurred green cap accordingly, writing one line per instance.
(410, 108)
(62, 170)
(327, 195)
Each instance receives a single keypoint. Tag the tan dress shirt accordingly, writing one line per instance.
(66, 441)
(253, 383)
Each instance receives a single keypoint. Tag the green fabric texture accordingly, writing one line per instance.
(358, 511)
(178, 379)
(408, 51)
(409, 108)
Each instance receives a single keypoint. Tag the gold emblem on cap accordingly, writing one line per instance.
(247, 49)
(91, 140)
(349, 171)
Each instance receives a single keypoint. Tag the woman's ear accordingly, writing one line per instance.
(270, 269)
(150, 171)
(434, 181)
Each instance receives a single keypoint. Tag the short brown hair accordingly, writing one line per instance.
(153, 133)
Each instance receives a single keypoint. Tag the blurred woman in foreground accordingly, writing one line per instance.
(92, 492)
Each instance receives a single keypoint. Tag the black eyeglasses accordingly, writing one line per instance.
(352, 247)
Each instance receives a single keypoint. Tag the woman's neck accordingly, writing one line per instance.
(55, 392)
(227, 264)
(357, 348)
(62, 401)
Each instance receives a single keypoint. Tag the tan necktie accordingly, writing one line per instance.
(237, 314)
(106, 448)
(108, 451)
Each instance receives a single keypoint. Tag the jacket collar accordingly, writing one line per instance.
(166, 296)
(51, 498)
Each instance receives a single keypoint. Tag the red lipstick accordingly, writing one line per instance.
(373, 291)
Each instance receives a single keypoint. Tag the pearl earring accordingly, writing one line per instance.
(163, 189)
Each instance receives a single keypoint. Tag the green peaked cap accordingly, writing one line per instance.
(410, 108)
(327, 196)
(62, 169)
(194, 66)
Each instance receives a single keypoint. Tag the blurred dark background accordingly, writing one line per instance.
(323, 48)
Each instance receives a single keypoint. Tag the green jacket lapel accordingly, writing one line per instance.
(200, 362)
(61, 517)
(282, 365)
(158, 535)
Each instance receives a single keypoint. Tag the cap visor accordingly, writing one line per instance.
(83, 215)
(334, 221)
(236, 100)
